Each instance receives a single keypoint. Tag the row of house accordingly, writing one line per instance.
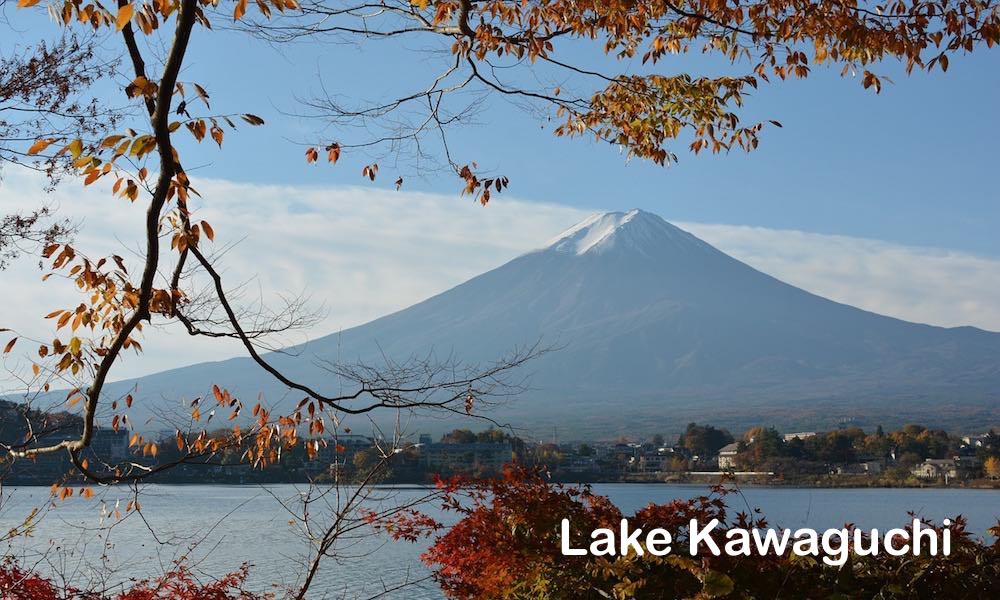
(476, 456)
(427, 455)
(962, 466)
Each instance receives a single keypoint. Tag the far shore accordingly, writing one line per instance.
(688, 481)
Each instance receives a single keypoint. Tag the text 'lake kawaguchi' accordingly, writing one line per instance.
(833, 545)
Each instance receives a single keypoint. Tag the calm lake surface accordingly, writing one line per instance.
(230, 525)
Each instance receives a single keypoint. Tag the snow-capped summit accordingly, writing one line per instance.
(649, 325)
(635, 229)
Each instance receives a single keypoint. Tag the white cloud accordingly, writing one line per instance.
(359, 252)
(925, 285)
(363, 253)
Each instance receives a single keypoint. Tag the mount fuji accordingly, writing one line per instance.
(654, 328)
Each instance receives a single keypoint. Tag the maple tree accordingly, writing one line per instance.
(178, 583)
(507, 545)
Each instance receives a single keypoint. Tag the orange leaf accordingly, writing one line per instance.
(217, 134)
(124, 16)
(10, 345)
(39, 146)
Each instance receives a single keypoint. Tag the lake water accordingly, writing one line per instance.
(234, 524)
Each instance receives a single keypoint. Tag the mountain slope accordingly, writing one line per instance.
(652, 322)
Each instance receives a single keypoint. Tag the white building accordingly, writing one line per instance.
(727, 456)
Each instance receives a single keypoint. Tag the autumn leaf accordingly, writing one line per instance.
(39, 146)
(312, 155)
(124, 16)
(9, 346)
(75, 148)
(217, 135)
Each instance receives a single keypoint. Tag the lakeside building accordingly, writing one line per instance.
(957, 467)
(976, 441)
(864, 466)
(936, 468)
(580, 464)
(338, 453)
(798, 435)
(107, 447)
(658, 460)
(653, 463)
(490, 456)
(727, 456)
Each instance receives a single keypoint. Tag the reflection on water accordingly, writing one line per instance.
(225, 526)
